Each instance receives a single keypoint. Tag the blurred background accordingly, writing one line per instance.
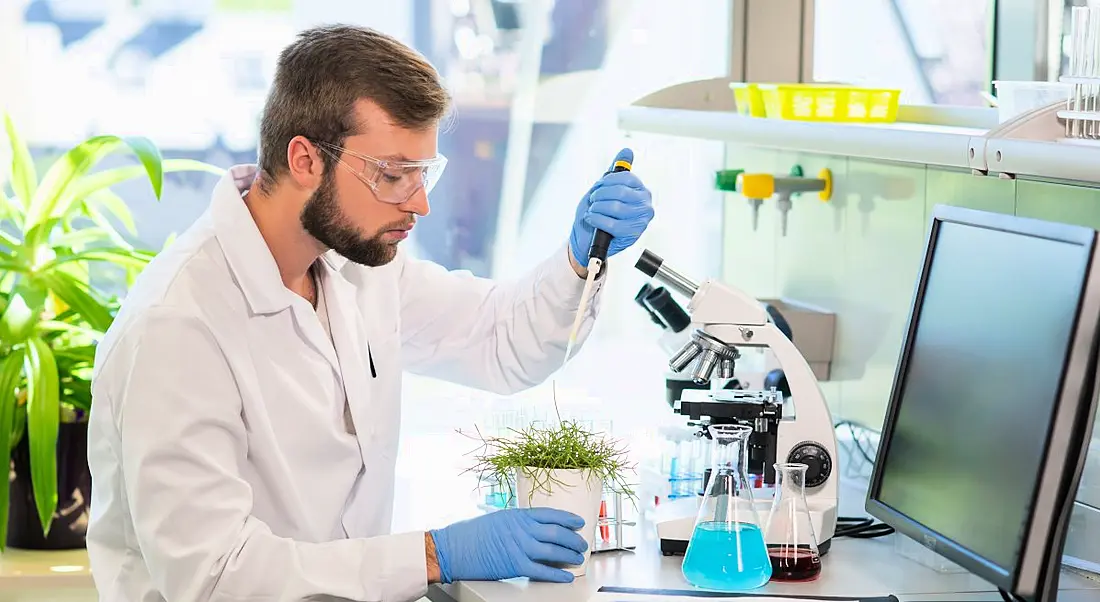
(537, 86)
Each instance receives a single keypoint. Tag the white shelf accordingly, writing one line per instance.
(1028, 146)
(1059, 160)
(1033, 144)
(909, 143)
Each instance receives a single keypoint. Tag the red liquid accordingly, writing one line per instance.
(794, 564)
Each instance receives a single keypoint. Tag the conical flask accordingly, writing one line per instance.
(789, 532)
(727, 551)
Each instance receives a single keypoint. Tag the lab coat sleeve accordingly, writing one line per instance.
(183, 441)
(501, 337)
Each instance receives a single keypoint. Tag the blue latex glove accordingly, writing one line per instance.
(619, 204)
(510, 543)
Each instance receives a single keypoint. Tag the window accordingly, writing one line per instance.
(935, 51)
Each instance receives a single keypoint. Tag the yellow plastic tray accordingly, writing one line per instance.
(748, 100)
(817, 102)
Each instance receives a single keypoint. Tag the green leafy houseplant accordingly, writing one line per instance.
(57, 243)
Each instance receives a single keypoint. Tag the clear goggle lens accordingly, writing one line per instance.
(392, 181)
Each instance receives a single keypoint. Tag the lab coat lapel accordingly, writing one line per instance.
(314, 333)
(349, 339)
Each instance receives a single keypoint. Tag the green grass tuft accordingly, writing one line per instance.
(535, 450)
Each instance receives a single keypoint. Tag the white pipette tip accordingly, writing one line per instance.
(594, 267)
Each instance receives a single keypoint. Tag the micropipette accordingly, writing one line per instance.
(597, 257)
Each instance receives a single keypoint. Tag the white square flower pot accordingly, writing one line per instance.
(576, 491)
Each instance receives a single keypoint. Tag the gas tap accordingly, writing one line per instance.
(757, 187)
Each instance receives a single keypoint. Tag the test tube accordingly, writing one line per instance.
(1094, 72)
(1079, 17)
(1088, 64)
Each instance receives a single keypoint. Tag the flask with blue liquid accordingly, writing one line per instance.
(727, 551)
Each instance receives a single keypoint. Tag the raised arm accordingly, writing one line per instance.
(496, 336)
(505, 337)
(182, 445)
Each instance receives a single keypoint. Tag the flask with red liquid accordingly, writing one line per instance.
(789, 532)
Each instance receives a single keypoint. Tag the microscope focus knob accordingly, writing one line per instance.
(819, 465)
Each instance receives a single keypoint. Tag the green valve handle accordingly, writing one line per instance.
(726, 179)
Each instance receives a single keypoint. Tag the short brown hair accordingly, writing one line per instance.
(325, 71)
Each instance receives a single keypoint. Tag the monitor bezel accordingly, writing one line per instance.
(1034, 575)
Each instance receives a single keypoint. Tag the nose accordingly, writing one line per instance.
(417, 203)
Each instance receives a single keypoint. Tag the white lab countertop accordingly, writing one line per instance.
(61, 576)
(852, 568)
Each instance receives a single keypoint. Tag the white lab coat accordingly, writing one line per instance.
(222, 465)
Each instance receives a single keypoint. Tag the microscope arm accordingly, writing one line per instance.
(716, 303)
(810, 408)
(739, 320)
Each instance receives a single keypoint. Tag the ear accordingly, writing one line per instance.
(306, 167)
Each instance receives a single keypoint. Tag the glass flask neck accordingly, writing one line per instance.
(791, 479)
(730, 447)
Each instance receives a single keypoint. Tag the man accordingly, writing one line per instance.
(247, 397)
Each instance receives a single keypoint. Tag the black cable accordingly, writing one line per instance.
(1008, 596)
(868, 457)
(861, 528)
(853, 526)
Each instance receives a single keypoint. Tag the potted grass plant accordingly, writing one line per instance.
(561, 465)
(60, 254)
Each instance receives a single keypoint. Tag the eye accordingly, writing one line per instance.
(391, 178)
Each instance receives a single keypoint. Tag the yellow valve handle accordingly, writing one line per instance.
(756, 185)
(826, 193)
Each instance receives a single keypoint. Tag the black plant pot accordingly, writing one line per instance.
(74, 493)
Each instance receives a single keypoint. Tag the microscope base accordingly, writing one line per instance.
(676, 547)
(675, 533)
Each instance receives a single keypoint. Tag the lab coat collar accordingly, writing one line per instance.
(245, 249)
(335, 260)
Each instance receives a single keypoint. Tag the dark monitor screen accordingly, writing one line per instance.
(980, 382)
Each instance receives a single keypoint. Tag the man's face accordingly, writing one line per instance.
(345, 214)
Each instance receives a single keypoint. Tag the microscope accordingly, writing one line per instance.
(671, 318)
(787, 427)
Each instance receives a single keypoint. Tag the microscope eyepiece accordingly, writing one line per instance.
(653, 266)
(660, 301)
(640, 299)
(649, 263)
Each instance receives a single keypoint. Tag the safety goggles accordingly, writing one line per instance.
(391, 181)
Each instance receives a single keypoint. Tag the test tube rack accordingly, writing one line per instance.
(1082, 112)
(613, 523)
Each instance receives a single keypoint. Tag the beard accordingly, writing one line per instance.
(322, 219)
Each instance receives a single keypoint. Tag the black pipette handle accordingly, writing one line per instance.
(601, 241)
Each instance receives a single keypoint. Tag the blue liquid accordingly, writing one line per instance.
(727, 557)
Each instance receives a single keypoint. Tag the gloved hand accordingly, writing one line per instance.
(510, 543)
(619, 204)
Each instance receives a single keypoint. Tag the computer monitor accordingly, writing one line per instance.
(991, 408)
